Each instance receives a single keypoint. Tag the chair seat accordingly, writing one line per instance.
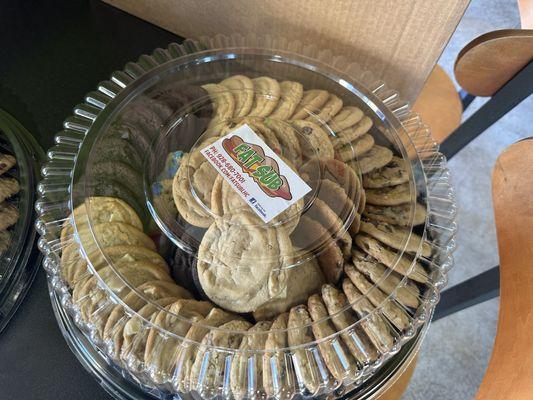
(488, 62)
(509, 372)
(439, 104)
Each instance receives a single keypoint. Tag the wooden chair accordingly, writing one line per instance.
(509, 372)
(497, 64)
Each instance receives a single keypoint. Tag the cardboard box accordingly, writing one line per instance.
(400, 41)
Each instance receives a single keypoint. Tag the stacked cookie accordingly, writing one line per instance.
(117, 254)
(117, 158)
(9, 187)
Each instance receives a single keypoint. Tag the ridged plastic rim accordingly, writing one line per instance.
(61, 159)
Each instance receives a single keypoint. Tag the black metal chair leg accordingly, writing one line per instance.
(478, 289)
(503, 101)
(466, 98)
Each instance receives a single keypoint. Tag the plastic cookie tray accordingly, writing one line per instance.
(19, 259)
(246, 218)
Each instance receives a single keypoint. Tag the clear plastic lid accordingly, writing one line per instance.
(19, 162)
(289, 207)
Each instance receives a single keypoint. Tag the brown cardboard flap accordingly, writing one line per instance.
(400, 41)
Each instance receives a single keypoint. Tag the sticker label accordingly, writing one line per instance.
(264, 181)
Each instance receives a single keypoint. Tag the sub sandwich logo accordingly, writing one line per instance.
(262, 169)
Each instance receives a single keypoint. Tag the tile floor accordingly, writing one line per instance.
(456, 351)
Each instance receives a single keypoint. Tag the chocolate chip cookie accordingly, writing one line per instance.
(314, 141)
(396, 215)
(392, 174)
(403, 265)
(388, 281)
(334, 352)
(389, 196)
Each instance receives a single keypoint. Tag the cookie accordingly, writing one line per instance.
(338, 201)
(347, 117)
(394, 313)
(139, 113)
(250, 270)
(330, 108)
(223, 102)
(336, 356)
(94, 304)
(402, 265)
(300, 333)
(164, 200)
(389, 196)
(225, 200)
(288, 139)
(276, 381)
(396, 215)
(160, 354)
(152, 290)
(328, 253)
(303, 279)
(79, 288)
(136, 331)
(7, 162)
(110, 234)
(314, 141)
(395, 237)
(176, 95)
(376, 157)
(352, 133)
(322, 213)
(115, 170)
(102, 209)
(192, 186)
(116, 254)
(8, 187)
(355, 149)
(291, 95)
(107, 235)
(312, 101)
(267, 93)
(130, 132)
(392, 174)
(162, 110)
(9, 215)
(118, 190)
(244, 385)
(182, 265)
(209, 368)
(263, 131)
(374, 325)
(334, 170)
(5, 241)
(87, 291)
(242, 89)
(388, 281)
(362, 200)
(196, 333)
(119, 279)
(117, 149)
(342, 317)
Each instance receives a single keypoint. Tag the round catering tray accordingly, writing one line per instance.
(19, 263)
(129, 161)
(118, 384)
